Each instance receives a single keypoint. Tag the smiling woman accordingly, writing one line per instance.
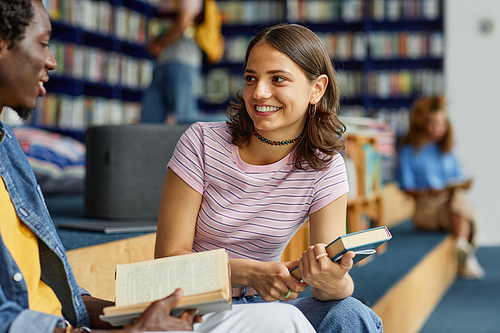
(249, 184)
(304, 77)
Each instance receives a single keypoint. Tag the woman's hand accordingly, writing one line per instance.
(329, 280)
(272, 280)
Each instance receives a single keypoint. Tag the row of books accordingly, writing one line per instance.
(98, 66)
(367, 183)
(323, 11)
(372, 143)
(326, 11)
(386, 45)
(394, 10)
(404, 83)
(397, 119)
(77, 113)
(251, 12)
(390, 83)
(359, 45)
(101, 17)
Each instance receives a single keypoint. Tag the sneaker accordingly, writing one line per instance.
(471, 269)
(464, 249)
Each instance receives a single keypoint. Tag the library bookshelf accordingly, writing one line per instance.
(385, 52)
(365, 206)
(102, 61)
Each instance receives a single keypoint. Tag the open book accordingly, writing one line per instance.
(363, 243)
(204, 277)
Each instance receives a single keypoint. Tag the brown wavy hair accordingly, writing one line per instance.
(422, 108)
(322, 134)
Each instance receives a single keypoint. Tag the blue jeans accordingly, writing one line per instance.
(344, 316)
(173, 90)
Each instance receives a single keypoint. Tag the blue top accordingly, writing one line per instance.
(428, 168)
(15, 316)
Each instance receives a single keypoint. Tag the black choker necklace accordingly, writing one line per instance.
(275, 143)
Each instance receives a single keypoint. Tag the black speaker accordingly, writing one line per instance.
(126, 168)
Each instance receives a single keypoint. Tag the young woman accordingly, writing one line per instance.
(430, 173)
(249, 184)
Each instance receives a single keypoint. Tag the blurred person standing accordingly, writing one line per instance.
(172, 95)
(431, 173)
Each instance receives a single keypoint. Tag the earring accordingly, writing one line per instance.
(313, 110)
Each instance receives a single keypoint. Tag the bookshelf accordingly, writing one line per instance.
(364, 206)
(386, 52)
(102, 64)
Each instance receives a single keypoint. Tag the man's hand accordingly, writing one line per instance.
(157, 316)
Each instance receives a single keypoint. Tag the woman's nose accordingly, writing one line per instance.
(261, 91)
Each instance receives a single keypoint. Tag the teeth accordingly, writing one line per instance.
(266, 108)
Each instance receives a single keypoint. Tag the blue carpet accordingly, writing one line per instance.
(471, 306)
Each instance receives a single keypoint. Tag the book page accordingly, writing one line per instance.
(154, 279)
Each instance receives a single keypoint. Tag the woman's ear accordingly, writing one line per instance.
(319, 88)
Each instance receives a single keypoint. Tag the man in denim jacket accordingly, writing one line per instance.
(38, 292)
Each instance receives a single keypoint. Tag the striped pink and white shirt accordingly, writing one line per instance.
(251, 210)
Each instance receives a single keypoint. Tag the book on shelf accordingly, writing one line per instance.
(460, 183)
(362, 243)
(204, 277)
(352, 179)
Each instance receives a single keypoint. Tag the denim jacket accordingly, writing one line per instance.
(29, 203)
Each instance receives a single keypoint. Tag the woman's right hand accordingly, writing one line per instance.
(272, 280)
(157, 316)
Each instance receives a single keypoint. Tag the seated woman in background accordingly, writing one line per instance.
(431, 173)
(249, 184)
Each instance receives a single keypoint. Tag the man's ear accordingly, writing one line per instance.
(319, 88)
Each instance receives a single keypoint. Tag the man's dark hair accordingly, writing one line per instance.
(15, 16)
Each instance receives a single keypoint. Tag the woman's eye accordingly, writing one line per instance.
(279, 79)
(249, 78)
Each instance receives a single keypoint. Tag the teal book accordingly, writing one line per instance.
(363, 243)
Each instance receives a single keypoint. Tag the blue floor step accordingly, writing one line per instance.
(404, 251)
(471, 306)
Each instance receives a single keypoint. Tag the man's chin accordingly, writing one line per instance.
(24, 112)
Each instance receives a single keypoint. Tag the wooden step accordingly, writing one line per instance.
(406, 306)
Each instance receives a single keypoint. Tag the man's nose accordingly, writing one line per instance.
(50, 62)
